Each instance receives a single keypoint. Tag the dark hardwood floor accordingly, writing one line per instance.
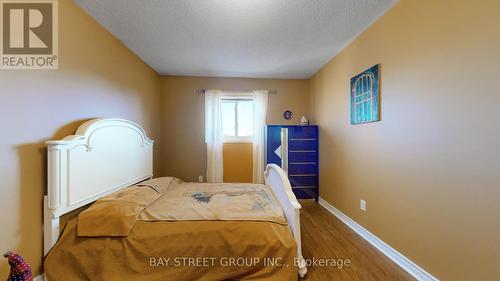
(325, 236)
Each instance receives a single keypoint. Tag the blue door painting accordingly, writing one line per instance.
(365, 97)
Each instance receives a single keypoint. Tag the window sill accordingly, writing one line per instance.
(238, 141)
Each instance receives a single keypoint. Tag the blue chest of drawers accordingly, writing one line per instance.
(295, 150)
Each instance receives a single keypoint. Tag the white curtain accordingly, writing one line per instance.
(260, 113)
(213, 136)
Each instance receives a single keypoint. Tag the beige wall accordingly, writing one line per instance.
(429, 170)
(238, 162)
(183, 148)
(98, 77)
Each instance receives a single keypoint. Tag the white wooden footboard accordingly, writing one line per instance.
(279, 183)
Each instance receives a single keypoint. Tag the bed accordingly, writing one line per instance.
(138, 230)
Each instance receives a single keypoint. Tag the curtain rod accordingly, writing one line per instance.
(203, 91)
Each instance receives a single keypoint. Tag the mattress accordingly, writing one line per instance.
(164, 229)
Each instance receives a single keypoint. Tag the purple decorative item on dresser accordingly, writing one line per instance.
(19, 269)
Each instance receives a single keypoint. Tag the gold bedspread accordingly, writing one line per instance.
(140, 234)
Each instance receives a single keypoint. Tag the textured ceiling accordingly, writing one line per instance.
(236, 38)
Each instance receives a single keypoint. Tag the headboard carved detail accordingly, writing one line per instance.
(103, 156)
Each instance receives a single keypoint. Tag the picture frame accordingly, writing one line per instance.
(365, 96)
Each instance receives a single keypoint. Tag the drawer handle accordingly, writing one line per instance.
(302, 139)
(304, 187)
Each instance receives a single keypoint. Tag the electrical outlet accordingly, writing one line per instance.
(362, 204)
(200, 178)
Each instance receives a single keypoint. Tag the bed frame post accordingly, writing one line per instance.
(301, 263)
(280, 185)
(50, 227)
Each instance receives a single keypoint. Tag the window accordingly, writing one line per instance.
(237, 118)
(363, 98)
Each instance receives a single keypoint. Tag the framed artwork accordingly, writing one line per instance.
(365, 96)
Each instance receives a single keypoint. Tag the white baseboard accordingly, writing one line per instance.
(405, 263)
(38, 278)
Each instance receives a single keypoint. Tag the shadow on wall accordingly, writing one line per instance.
(32, 186)
(32, 164)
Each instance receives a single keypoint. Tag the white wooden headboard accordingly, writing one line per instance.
(103, 156)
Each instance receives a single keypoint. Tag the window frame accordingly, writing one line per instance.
(361, 94)
(236, 100)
